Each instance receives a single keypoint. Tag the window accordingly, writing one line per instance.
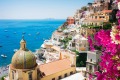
(90, 60)
(71, 72)
(30, 75)
(90, 68)
(95, 17)
(60, 77)
(53, 78)
(98, 60)
(65, 75)
(12, 74)
(24, 45)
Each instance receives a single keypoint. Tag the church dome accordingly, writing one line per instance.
(23, 58)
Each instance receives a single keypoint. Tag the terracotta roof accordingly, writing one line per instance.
(107, 11)
(54, 67)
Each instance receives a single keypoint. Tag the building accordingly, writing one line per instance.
(92, 63)
(97, 19)
(24, 66)
(57, 36)
(70, 20)
(81, 44)
(78, 43)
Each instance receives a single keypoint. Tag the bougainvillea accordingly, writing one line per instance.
(109, 40)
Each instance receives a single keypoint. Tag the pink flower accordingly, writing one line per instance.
(117, 37)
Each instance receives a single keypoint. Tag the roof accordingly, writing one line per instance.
(54, 67)
(24, 59)
(107, 11)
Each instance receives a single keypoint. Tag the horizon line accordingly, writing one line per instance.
(36, 19)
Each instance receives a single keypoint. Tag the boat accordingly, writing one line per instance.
(3, 55)
(15, 50)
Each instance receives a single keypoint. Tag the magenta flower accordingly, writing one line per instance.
(117, 37)
(110, 59)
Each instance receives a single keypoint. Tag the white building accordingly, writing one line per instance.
(57, 36)
(92, 63)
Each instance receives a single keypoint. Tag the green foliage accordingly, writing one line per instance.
(113, 15)
(107, 26)
(65, 41)
(81, 63)
(84, 26)
(84, 8)
(2, 78)
(81, 60)
(77, 53)
(63, 28)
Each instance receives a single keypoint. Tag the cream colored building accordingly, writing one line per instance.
(24, 66)
(92, 63)
(57, 36)
(98, 18)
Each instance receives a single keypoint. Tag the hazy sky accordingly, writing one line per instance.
(39, 9)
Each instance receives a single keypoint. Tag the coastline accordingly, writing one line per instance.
(5, 68)
(4, 71)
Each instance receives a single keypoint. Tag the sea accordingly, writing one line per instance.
(34, 32)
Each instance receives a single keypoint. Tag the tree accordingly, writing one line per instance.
(81, 63)
(84, 8)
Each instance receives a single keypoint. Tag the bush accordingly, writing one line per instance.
(2, 78)
(81, 60)
(107, 26)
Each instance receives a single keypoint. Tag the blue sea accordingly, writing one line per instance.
(34, 31)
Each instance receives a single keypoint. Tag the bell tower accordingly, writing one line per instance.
(23, 44)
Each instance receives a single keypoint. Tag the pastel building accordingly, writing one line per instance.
(24, 66)
(92, 63)
(57, 36)
(70, 20)
(97, 19)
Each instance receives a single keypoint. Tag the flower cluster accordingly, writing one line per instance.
(115, 34)
(110, 62)
(109, 40)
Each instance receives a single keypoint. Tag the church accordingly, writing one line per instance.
(24, 67)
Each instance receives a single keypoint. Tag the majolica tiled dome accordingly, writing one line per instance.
(23, 58)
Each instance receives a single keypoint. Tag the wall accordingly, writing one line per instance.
(19, 74)
(62, 73)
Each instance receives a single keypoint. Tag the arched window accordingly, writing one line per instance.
(30, 76)
(12, 74)
(24, 46)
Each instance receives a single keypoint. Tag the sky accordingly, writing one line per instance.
(39, 9)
